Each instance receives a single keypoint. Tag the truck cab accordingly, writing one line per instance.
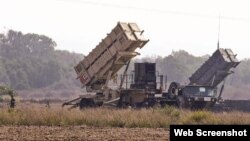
(197, 96)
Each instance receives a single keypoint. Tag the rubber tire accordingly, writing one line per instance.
(86, 102)
(181, 103)
(171, 90)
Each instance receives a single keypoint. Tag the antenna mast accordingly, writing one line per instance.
(218, 43)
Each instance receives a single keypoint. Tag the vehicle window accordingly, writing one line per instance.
(202, 89)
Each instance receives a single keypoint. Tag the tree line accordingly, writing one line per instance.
(31, 61)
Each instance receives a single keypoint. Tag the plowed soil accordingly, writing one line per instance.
(79, 133)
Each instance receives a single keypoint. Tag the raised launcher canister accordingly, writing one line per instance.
(110, 55)
(215, 69)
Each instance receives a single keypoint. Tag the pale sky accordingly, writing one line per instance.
(79, 25)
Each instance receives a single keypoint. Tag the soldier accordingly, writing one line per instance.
(47, 104)
(12, 102)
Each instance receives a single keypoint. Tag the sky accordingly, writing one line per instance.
(171, 25)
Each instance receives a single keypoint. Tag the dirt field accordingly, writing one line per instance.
(79, 133)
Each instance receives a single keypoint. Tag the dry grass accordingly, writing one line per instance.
(104, 117)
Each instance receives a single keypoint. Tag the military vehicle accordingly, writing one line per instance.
(202, 90)
(118, 48)
(102, 64)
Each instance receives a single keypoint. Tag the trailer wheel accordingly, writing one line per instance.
(173, 90)
(180, 102)
(87, 102)
(122, 103)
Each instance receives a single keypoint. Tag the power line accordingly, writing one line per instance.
(157, 10)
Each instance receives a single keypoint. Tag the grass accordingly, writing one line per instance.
(104, 117)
